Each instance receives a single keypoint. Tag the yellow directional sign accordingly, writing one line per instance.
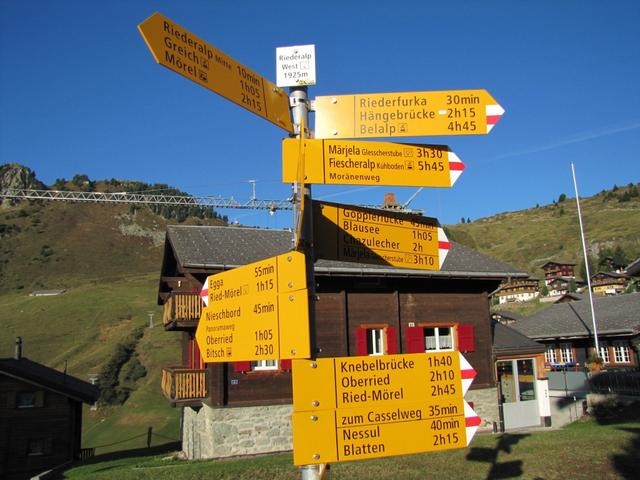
(361, 433)
(406, 114)
(365, 235)
(259, 311)
(353, 408)
(335, 162)
(184, 53)
(434, 379)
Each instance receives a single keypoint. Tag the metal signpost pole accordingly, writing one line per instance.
(300, 117)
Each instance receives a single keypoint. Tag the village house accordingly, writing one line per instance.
(517, 290)
(566, 330)
(609, 283)
(555, 270)
(40, 416)
(360, 310)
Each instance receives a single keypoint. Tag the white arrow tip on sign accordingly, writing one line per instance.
(456, 167)
(472, 421)
(443, 245)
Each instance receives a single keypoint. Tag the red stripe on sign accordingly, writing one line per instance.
(468, 373)
(456, 166)
(493, 119)
(444, 245)
(472, 421)
(204, 293)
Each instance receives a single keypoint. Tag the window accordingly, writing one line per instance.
(604, 353)
(375, 341)
(378, 340)
(26, 399)
(621, 353)
(35, 446)
(262, 365)
(566, 353)
(438, 339)
(550, 354)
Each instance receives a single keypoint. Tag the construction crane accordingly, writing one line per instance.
(150, 199)
(272, 206)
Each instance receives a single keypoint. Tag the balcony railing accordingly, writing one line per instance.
(182, 308)
(184, 385)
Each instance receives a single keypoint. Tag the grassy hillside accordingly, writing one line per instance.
(82, 328)
(530, 238)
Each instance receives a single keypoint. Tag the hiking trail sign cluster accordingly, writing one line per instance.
(347, 408)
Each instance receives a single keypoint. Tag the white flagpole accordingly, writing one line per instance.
(586, 262)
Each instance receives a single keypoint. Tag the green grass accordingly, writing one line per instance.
(82, 328)
(529, 238)
(583, 450)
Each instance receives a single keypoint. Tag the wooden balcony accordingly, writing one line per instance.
(182, 311)
(184, 386)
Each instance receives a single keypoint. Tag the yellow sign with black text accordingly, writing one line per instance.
(365, 235)
(352, 408)
(259, 311)
(406, 114)
(181, 51)
(339, 162)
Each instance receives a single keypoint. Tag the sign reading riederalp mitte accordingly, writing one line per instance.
(339, 162)
(406, 114)
(365, 235)
(181, 51)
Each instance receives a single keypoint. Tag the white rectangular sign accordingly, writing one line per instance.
(296, 65)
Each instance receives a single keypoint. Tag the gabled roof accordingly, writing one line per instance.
(614, 315)
(49, 379)
(633, 268)
(507, 341)
(610, 274)
(558, 263)
(221, 248)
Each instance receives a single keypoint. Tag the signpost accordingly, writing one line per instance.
(296, 65)
(181, 51)
(259, 311)
(365, 235)
(380, 406)
(338, 162)
(406, 114)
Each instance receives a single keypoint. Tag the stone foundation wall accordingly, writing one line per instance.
(486, 406)
(225, 432)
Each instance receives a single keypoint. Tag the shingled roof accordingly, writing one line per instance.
(614, 315)
(507, 341)
(221, 248)
(48, 378)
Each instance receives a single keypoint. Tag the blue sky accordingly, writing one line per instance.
(81, 93)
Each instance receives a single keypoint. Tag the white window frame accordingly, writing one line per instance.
(621, 352)
(437, 337)
(264, 365)
(550, 354)
(566, 353)
(604, 354)
(375, 340)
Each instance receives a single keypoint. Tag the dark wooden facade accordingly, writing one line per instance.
(348, 302)
(40, 421)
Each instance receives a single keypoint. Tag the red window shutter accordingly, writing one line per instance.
(361, 342)
(392, 341)
(414, 338)
(241, 367)
(285, 364)
(466, 340)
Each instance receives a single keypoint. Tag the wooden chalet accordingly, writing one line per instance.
(40, 417)
(609, 283)
(360, 310)
(554, 270)
(517, 290)
(566, 330)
